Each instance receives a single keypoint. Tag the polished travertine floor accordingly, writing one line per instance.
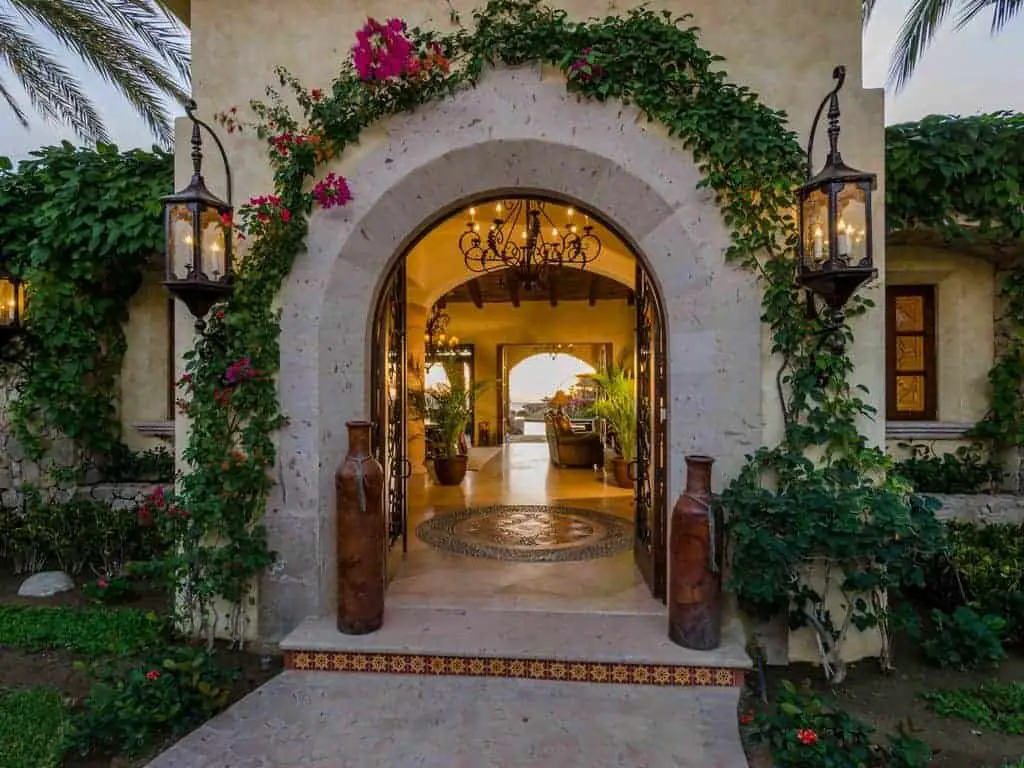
(520, 474)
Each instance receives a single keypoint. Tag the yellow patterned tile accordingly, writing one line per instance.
(302, 661)
(620, 674)
(662, 675)
(538, 670)
(640, 674)
(437, 665)
(457, 666)
(477, 666)
(320, 661)
(379, 663)
(599, 673)
(683, 676)
(578, 671)
(339, 662)
(558, 670)
(359, 662)
(398, 663)
(517, 668)
(417, 664)
(703, 676)
(497, 667)
(725, 677)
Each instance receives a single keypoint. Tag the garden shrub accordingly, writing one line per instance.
(966, 470)
(169, 693)
(984, 569)
(965, 639)
(74, 535)
(806, 731)
(32, 728)
(995, 706)
(110, 591)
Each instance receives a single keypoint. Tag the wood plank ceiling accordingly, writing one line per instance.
(564, 284)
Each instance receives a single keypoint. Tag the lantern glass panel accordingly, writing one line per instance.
(214, 253)
(815, 229)
(12, 300)
(851, 229)
(180, 241)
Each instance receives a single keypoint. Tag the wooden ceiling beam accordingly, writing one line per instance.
(475, 293)
(513, 289)
(553, 290)
(592, 295)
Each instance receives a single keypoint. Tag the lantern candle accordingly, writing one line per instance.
(844, 240)
(817, 244)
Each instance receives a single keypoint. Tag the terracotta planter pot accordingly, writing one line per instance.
(450, 471)
(361, 547)
(621, 472)
(695, 562)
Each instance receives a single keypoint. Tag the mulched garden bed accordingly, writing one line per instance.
(884, 701)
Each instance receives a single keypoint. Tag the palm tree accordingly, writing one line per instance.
(923, 21)
(136, 45)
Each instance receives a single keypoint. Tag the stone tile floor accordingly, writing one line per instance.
(318, 720)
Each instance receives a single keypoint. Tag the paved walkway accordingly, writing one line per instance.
(320, 720)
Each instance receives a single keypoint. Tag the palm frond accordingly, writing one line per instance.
(19, 113)
(1003, 11)
(154, 25)
(113, 53)
(920, 25)
(51, 88)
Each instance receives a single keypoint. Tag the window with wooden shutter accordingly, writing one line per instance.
(911, 375)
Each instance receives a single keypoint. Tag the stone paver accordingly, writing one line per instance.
(318, 720)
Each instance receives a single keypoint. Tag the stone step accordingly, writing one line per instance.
(540, 645)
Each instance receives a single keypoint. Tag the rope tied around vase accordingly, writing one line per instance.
(361, 482)
(712, 547)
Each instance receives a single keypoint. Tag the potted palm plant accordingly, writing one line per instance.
(616, 404)
(447, 409)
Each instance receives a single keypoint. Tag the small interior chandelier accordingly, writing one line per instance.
(524, 237)
(437, 339)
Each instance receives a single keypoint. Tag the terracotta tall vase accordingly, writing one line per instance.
(695, 553)
(359, 493)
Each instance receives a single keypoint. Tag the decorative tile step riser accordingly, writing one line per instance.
(532, 669)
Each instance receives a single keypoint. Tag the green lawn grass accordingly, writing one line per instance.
(995, 706)
(32, 726)
(88, 632)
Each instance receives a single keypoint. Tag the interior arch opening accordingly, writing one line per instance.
(572, 513)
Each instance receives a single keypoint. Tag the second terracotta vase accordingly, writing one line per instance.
(695, 554)
(361, 544)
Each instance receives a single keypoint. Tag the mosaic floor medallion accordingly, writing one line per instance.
(537, 534)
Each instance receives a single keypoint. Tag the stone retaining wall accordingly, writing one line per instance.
(118, 496)
(980, 508)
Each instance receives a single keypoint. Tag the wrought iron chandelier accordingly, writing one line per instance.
(436, 339)
(524, 237)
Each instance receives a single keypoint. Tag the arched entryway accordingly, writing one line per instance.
(515, 131)
(546, 309)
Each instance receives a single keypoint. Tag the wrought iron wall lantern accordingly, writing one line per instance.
(523, 237)
(12, 304)
(834, 213)
(199, 248)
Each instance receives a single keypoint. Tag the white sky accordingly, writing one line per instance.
(963, 73)
(540, 376)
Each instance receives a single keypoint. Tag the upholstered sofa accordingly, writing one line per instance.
(569, 449)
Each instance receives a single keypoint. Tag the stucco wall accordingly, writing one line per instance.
(965, 291)
(145, 377)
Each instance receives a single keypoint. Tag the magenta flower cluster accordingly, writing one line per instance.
(240, 370)
(382, 50)
(584, 70)
(332, 191)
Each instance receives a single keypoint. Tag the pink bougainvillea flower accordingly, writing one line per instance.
(153, 675)
(286, 215)
(332, 191)
(746, 718)
(806, 736)
(102, 583)
(382, 51)
(584, 70)
(316, 94)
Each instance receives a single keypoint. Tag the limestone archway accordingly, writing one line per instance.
(517, 132)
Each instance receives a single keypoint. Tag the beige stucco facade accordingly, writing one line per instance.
(518, 128)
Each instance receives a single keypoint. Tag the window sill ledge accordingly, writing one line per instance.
(161, 429)
(927, 430)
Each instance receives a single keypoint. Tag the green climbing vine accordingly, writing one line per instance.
(963, 177)
(782, 509)
(80, 225)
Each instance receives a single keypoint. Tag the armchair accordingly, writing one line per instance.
(569, 449)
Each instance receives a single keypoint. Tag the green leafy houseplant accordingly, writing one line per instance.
(966, 470)
(448, 409)
(616, 403)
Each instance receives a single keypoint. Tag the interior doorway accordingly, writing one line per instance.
(539, 520)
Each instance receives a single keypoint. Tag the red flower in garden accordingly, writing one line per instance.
(746, 718)
(332, 191)
(152, 675)
(316, 94)
(286, 215)
(102, 583)
(806, 736)
(584, 70)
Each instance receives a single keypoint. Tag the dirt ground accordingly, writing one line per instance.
(19, 669)
(885, 701)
